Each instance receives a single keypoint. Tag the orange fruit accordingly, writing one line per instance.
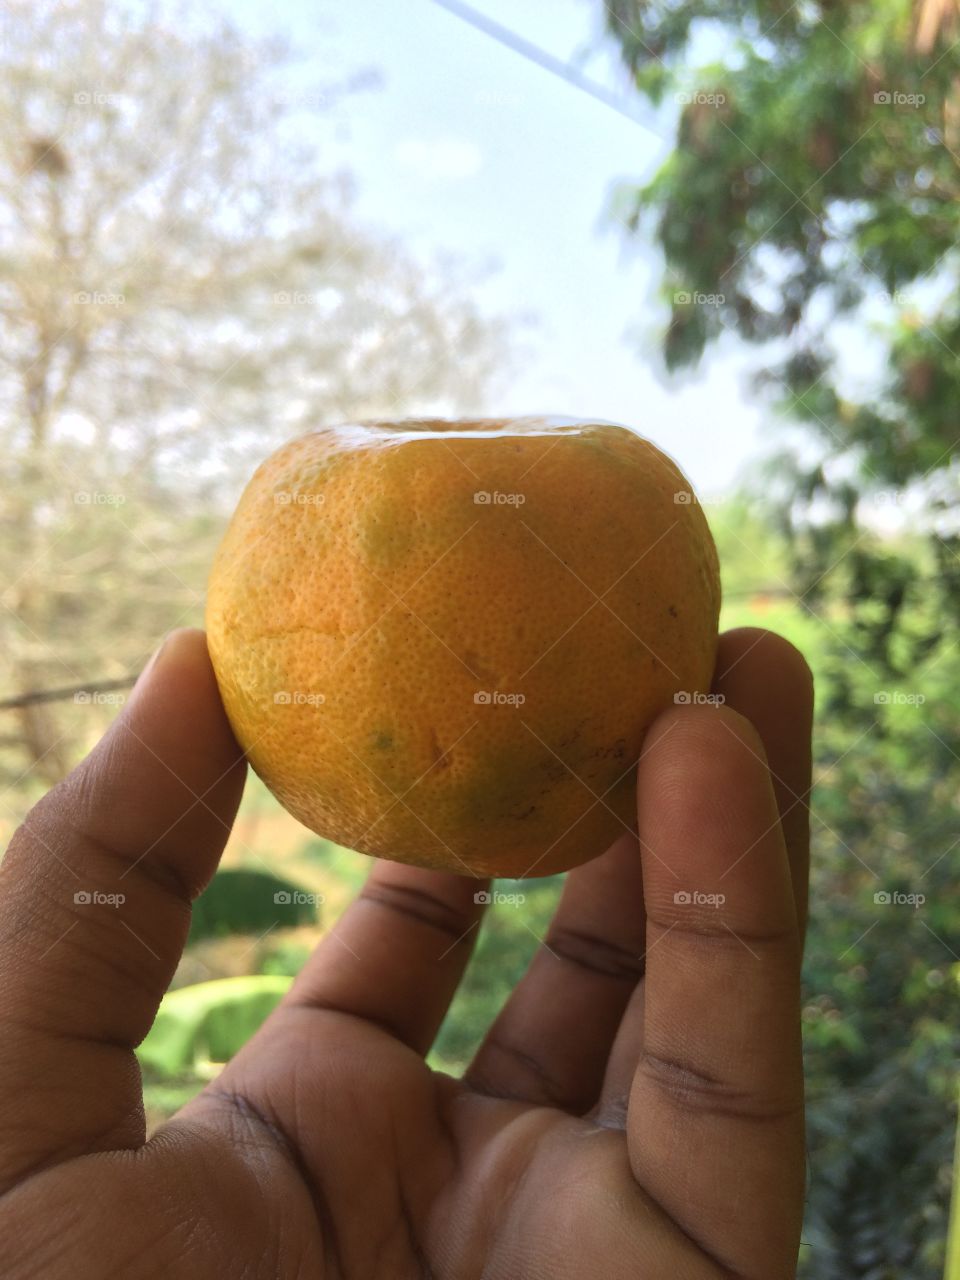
(442, 642)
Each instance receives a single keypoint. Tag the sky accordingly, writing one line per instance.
(468, 148)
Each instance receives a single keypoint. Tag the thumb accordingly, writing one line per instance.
(95, 894)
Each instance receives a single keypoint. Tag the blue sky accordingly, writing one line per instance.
(470, 149)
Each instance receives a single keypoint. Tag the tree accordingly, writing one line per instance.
(181, 286)
(812, 195)
(810, 205)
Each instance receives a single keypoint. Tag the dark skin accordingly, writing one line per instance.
(612, 1125)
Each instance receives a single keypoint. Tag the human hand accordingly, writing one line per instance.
(612, 1124)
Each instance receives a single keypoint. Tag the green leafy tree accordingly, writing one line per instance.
(810, 205)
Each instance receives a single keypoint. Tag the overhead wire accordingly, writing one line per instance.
(541, 58)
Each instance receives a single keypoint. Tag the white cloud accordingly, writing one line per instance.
(440, 157)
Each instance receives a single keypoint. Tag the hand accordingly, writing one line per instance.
(612, 1124)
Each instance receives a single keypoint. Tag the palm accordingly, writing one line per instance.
(611, 1124)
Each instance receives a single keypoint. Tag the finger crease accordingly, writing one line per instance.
(596, 955)
(419, 906)
(692, 1089)
(161, 874)
(281, 1142)
(549, 1090)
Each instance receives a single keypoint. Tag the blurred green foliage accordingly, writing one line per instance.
(953, 1241)
(245, 901)
(811, 201)
(510, 934)
(208, 1022)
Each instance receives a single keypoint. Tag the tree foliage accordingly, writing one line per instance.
(810, 205)
(182, 284)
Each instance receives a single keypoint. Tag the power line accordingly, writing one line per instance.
(533, 53)
(79, 693)
(87, 692)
